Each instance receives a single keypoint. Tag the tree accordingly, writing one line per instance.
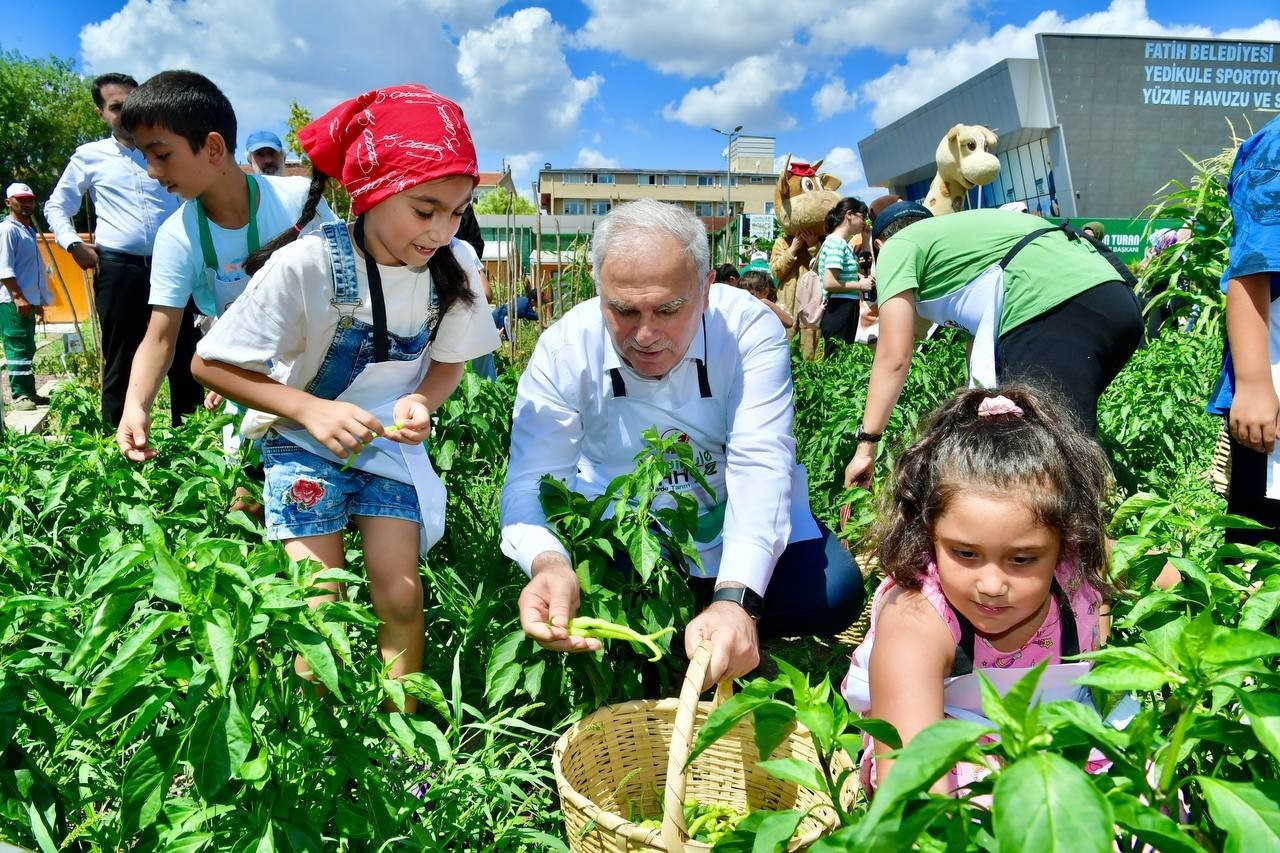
(496, 201)
(337, 197)
(46, 110)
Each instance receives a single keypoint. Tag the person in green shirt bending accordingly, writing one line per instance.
(1042, 304)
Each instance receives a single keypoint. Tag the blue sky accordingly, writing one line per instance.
(609, 83)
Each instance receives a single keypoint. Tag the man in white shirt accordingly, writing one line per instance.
(23, 296)
(659, 348)
(130, 207)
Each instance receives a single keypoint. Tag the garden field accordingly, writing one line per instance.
(148, 699)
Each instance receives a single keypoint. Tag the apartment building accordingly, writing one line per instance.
(747, 184)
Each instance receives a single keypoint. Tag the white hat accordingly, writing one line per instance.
(19, 191)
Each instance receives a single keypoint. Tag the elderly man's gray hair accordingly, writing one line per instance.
(628, 227)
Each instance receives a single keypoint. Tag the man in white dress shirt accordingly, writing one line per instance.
(130, 206)
(659, 348)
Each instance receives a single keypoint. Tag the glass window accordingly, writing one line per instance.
(675, 180)
(646, 180)
(708, 180)
(756, 179)
(768, 207)
(1039, 186)
(600, 208)
(604, 178)
(575, 207)
(703, 208)
(575, 178)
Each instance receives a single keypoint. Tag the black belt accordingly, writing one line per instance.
(124, 257)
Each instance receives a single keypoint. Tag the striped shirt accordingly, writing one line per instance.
(836, 255)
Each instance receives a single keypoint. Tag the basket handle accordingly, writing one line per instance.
(674, 831)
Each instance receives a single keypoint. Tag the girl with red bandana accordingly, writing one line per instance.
(346, 340)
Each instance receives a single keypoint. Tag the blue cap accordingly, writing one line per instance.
(260, 139)
(896, 211)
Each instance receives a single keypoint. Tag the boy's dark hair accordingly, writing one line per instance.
(724, 272)
(1042, 456)
(187, 103)
(758, 283)
(112, 79)
(843, 208)
(447, 276)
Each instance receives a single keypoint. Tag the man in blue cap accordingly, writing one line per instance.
(266, 153)
(1042, 304)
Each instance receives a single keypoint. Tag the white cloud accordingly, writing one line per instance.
(691, 37)
(833, 99)
(845, 164)
(590, 158)
(522, 93)
(890, 27)
(263, 54)
(749, 94)
(928, 72)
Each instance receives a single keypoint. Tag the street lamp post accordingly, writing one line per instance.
(728, 184)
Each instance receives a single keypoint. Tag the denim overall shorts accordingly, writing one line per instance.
(306, 494)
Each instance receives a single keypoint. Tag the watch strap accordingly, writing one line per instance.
(746, 598)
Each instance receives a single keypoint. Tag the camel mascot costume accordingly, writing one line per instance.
(801, 201)
(965, 161)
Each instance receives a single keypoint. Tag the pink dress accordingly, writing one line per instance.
(1046, 643)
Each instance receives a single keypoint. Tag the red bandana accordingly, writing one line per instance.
(388, 140)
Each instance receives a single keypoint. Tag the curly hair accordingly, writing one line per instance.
(1042, 456)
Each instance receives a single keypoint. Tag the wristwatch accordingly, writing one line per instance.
(746, 598)
(73, 244)
(869, 437)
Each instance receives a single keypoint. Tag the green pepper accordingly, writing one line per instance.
(602, 629)
(352, 458)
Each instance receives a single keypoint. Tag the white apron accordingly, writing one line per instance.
(376, 390)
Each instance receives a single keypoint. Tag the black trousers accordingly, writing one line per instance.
(121, 290)
(1076, 348)
(839, 322)
(1247, 496)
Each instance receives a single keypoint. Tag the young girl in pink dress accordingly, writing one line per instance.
(996, 553)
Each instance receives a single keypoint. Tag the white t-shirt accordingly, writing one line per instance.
(177, 265)
(283, 323)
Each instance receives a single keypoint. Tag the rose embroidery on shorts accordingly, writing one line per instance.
(305, 493)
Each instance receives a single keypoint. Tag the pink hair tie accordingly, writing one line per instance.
(998, 405)
(297, 227)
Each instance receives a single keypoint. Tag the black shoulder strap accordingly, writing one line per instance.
(381, 341)
(619, 387)
(1022, 244)
(963, 664)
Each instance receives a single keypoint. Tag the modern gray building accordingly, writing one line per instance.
(1094, 126)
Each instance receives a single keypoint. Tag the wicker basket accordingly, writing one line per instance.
(624, 755)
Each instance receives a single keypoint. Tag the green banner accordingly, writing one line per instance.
(1123, 236)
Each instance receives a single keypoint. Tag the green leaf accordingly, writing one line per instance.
(930, 754)
(774, 723)
(1126, 669)
(145, 786)
(426, 689)
(317, 654)
(1150, 826)
(1230, 646)
(1250, 816)
(1263, 710)
(795, 770)
(109, 615)
(819, 719)
(723, 719)
(220, 636)
(776, 830)
(1045, 803)
(208, 747)
(503, 670)
(130, 662)
(1261, 605)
